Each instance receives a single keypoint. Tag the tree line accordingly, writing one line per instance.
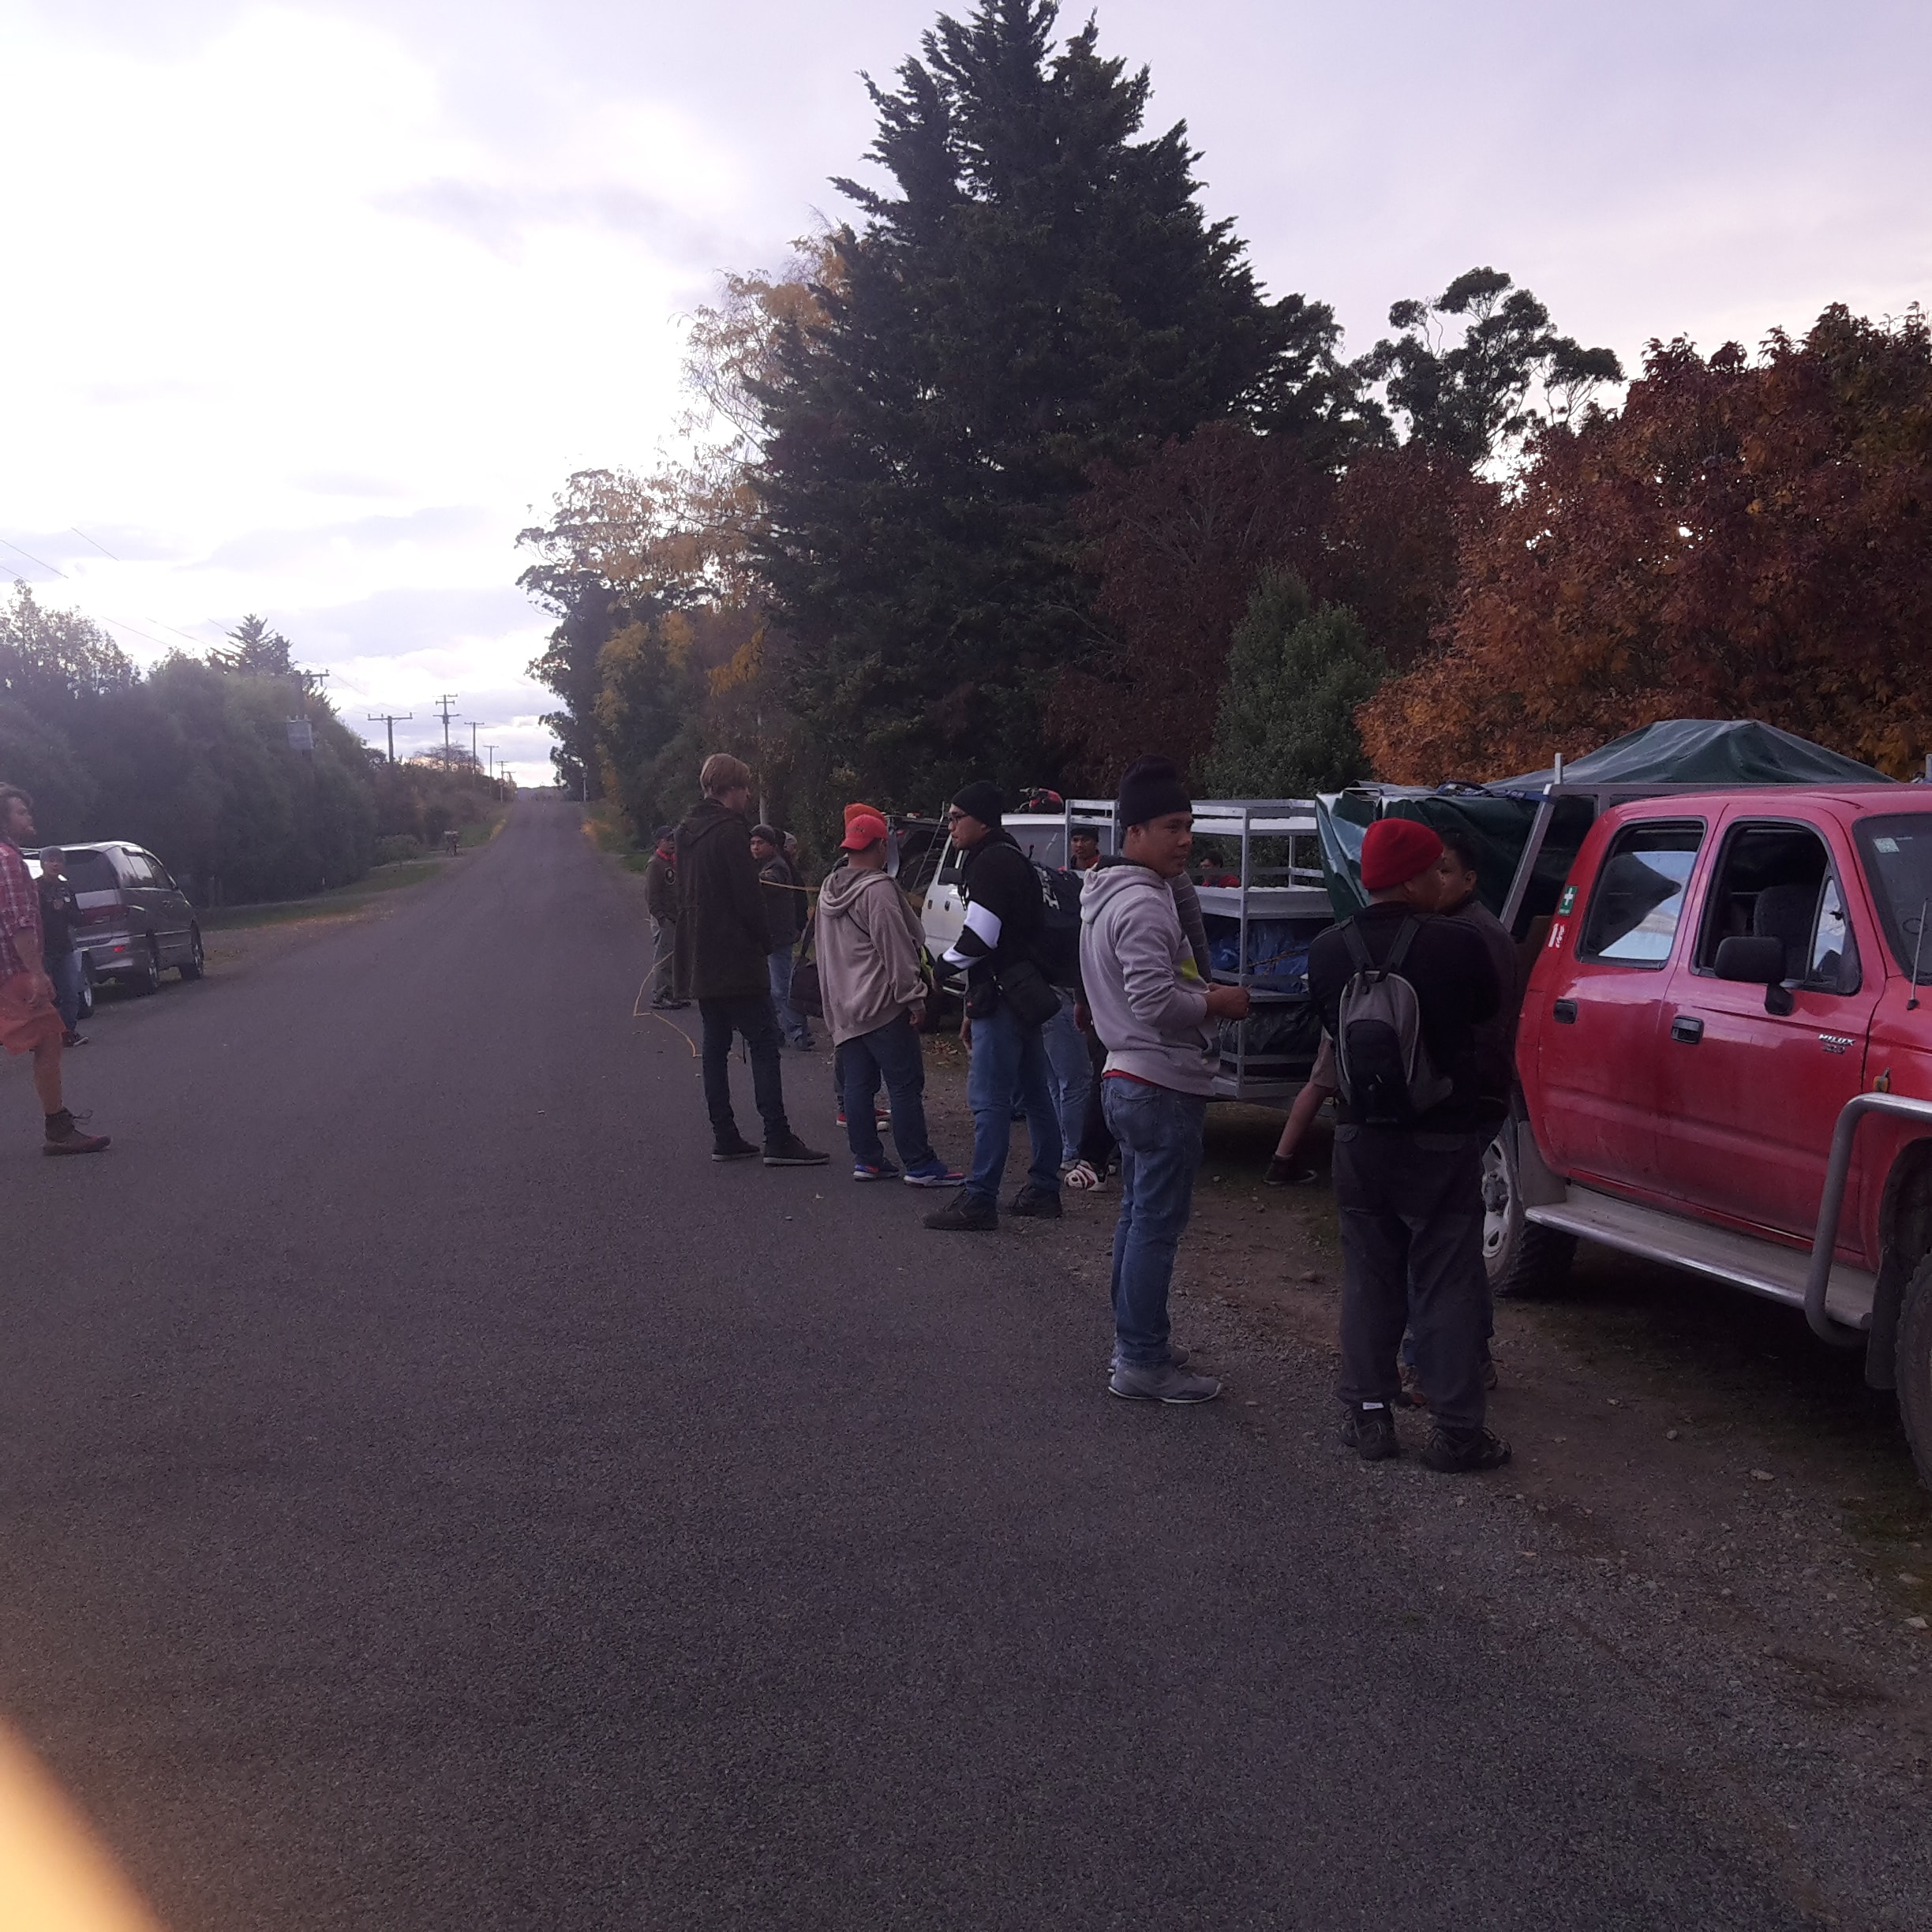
(193, 760)
(1018, 473)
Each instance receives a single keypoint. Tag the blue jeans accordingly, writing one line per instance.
(796, 1027)
(1008, 1058)
(1159, 1132)
(1073, 1073)
(750, 1014)
(892, 1053)
(64, 970)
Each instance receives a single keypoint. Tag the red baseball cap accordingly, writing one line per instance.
(863, 828)
(1396, 850)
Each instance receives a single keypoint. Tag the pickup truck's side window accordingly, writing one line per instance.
(1638, 897)
(1776, 882)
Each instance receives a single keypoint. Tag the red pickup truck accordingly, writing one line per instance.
(1725, 1064)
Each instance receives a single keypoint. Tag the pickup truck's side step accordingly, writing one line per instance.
(1763, 1266)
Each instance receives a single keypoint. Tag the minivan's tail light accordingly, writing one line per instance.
(102, 915)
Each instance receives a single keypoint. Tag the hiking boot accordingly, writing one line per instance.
(64, 1137)
(1369, 1430)
(1456, 1452)
(792, 1152)
(1036, 1203)
(735, 1148)
(934, 1173)
(1162, 1382)
(965, 1214)
(864, 1171)
(1288, 1173)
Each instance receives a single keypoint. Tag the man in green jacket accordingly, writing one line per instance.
(721, 939)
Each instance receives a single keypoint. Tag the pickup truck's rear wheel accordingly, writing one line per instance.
(1521, 1258)
(1912, 1364)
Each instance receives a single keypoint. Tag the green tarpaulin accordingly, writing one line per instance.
(1498, 816)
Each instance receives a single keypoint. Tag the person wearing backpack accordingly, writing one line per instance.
(1009, 999)
(1401, 993)
(1158, 1015)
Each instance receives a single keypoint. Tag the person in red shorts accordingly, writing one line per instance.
(29, 1021)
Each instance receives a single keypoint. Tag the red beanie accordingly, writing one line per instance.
(1395, 851)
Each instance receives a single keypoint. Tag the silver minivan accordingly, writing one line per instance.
(135, 921)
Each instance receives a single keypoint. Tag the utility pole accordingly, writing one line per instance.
(495, 784)
(474, 728)
(392, 719)
(446, 705)
(307, 680)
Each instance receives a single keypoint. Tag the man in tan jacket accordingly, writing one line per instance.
(874, 996)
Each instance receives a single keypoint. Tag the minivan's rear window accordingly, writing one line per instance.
(1898, 850)
(89, 871)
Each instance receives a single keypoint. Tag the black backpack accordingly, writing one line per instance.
(1056, 946)
(1387, 1077)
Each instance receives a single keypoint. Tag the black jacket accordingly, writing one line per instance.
(1448, 965)
(785, 904)
(60, 912)
(722, 938)
(1003, 909)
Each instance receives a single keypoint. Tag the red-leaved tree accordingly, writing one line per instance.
(1748, 538)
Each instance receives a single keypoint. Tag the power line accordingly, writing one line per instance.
(101, 547)
(392, 719)
(31, 559)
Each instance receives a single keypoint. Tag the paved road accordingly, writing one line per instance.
(433, 1495)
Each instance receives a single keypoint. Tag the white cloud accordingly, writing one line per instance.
(312, 306)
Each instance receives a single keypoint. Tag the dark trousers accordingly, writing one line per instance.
(749, 1014)
(1097, 1146)
(1412, 1218)
(891, 1053)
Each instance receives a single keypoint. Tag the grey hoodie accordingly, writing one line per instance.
(869, 944)
(1143, 987)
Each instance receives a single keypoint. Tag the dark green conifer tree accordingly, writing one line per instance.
(1041, 291)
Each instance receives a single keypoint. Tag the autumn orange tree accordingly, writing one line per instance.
(1749, 537)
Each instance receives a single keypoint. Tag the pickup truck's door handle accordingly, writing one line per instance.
(1685, 1028)
(1566, 1012)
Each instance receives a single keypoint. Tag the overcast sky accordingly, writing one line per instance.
(310, 307)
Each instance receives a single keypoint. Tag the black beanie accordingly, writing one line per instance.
(980, 800)
(1151, 787)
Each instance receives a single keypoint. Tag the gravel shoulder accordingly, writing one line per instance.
(1701, 1496)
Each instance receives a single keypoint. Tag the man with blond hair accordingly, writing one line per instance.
(721, 941)
(29, 1021)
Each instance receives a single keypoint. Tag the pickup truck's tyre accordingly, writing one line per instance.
(1912, 1364)
(1521, 1258)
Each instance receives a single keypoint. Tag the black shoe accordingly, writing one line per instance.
(965, 1214)
(1036, 1203)
(1371, 1433)
(792, 1152)
(71, 1038)
(737, 1147)
(1455, 1452)
(1288, 1173)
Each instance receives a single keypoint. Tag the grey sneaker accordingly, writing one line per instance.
(1179, 1356)
(1161, 1382)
